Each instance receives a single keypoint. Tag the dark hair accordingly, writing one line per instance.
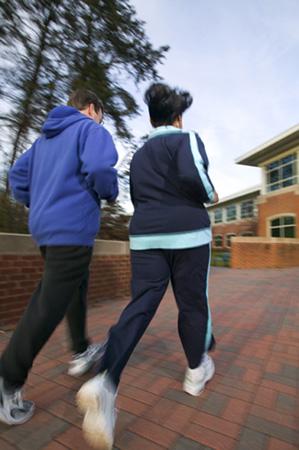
(165, 104)
(81, 98)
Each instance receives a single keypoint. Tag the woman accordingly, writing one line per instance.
(170, 239)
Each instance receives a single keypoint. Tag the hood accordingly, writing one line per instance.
(59, 119)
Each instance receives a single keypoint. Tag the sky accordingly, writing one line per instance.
(240, 61)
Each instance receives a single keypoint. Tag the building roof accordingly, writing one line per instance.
(271, 148)
(237, 196)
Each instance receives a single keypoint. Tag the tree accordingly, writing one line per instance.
(32, 75)
(114, 46)
(53, 46)
(114, 223)
(115, 218)
(13, 216)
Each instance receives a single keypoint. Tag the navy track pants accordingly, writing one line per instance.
(188, 270)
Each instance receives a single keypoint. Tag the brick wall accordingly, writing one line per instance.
(21, 267)
(236, 227)
(109, 277)
(254, 253)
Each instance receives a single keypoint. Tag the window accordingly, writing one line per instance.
(218, 216)
(282, 173)
(218, 240)
(284, 226)
(247, 209)
(231, 213)
(228, 239)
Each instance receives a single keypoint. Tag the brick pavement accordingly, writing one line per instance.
(251, 404)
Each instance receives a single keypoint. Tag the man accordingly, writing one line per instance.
(62, 179)
(170, 237)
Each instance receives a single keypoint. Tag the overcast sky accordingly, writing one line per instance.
(240, 61)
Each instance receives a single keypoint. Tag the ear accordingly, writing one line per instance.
(90, 109)
(178, 122)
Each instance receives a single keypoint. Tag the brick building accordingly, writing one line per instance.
(277, 244)
(260, 225)
(235, 215)
(270, 210)
(278, 203)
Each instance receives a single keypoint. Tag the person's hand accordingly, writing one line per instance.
(216, 198)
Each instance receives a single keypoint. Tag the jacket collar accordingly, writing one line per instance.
(164, 129)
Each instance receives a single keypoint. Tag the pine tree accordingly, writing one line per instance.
(53, 46)
(115, 47)
(30, 82)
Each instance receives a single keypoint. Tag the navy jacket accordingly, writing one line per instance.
(63, 177)
(170, 184)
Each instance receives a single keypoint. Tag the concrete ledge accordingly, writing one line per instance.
(22, 244)
(264, 240)
(102, 247)
(17, 244)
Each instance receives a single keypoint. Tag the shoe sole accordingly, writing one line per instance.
(82, 371)
(196, 392)
(19, 422)
(94, 424)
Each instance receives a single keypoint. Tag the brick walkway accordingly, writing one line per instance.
(249, 405)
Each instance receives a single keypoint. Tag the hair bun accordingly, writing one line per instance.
(157, 92)
(187, 99)
(165, 104)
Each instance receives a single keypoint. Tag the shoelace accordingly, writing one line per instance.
(90, 351)
(81, 355)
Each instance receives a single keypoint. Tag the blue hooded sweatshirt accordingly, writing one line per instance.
(63, 177)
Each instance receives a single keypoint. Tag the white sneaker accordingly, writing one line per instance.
(96, 399)
(13, 409)
(82, 362)
(195, 379)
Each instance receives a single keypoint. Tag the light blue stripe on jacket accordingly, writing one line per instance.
(200, 166)
(198, 161)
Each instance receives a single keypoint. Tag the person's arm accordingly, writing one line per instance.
(98, 158)
(205, 161)
(132, 197)
(19, 181)
(192, 168)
